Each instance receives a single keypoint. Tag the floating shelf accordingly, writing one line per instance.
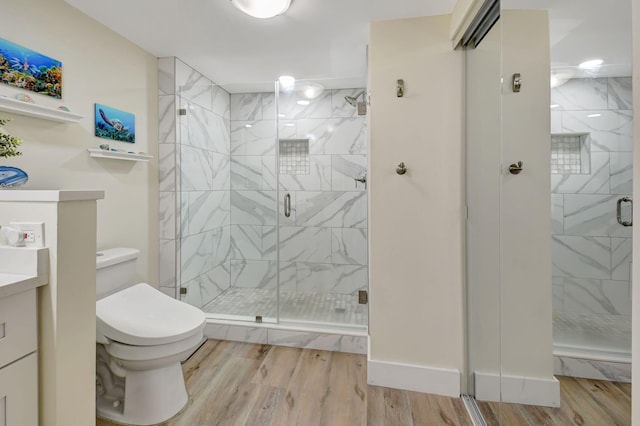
(33, 110)
(118, 155)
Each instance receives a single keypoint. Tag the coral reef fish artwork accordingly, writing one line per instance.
(114, 124)
(27, 69)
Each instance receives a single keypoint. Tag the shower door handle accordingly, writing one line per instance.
(287, 205)
(619, 210)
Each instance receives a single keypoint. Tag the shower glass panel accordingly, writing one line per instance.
(321, 167)
(271, 201)
(590, 178)
(227, 200)
(483, 133)
(565, 293)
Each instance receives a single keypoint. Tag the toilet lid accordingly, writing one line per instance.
(143, 316)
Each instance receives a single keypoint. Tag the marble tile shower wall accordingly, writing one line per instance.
(195, 200)
(323, 244)
(591, 251)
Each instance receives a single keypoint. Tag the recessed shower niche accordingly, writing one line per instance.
(570, 153)
(294, 157)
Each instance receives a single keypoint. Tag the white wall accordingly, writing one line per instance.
(98, 66)
(526, 334)
(416, 222)
(525, 231)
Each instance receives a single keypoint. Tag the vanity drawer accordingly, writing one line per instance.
(18, 326)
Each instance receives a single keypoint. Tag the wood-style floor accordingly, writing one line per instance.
(582, 402)
(231, 383)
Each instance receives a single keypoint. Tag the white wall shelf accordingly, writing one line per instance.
(118, 155)
(15, 106)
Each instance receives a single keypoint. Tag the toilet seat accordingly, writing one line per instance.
(149, 353)
(143, 316)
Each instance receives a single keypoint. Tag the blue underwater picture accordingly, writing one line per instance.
(26, 69)
(114, 124)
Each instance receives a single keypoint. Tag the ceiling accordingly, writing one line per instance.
(315, 39)
(325, 40)
(581, 30)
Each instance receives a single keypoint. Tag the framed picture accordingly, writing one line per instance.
(114, 124)
(27, 69)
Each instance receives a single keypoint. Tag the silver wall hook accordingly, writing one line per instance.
(400, 88)
(516, 83)
(515, 168)
(402, 169)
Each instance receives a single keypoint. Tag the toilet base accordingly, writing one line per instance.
(150, 397)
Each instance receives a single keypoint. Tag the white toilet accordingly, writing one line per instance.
(142, 337)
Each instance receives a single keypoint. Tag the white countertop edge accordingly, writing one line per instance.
(50, 195)
(11, 284)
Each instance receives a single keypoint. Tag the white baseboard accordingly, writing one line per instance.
(517, 389)
(418, 378)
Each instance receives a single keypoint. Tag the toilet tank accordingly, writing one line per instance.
(115, 270)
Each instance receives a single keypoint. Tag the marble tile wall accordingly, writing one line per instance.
(591, 251)
(195, 183)
(323, 244)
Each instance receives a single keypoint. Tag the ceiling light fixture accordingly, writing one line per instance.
(303, 102)
(589, 65)
(554, 106)
(262, 8)
(287, 83)
(311, 90)
(593, 115)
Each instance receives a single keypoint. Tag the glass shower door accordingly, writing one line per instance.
(483, 144)
(322, 221)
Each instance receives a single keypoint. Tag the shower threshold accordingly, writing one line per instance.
(298, 307)
(307, 320)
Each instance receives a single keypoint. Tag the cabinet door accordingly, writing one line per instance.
(19, 392)
(18, 326)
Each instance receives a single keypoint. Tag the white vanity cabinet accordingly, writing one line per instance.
(19, 360)
(22, 271)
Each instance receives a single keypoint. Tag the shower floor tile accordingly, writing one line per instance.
(295, 306)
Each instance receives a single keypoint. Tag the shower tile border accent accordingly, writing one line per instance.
(591, 369)
(279, 336)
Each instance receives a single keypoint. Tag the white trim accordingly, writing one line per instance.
(418, 378)
(463, 13)
(517, 389)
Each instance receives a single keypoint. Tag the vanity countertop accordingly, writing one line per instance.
(50, 195)
(11, 284)
(22, 269)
